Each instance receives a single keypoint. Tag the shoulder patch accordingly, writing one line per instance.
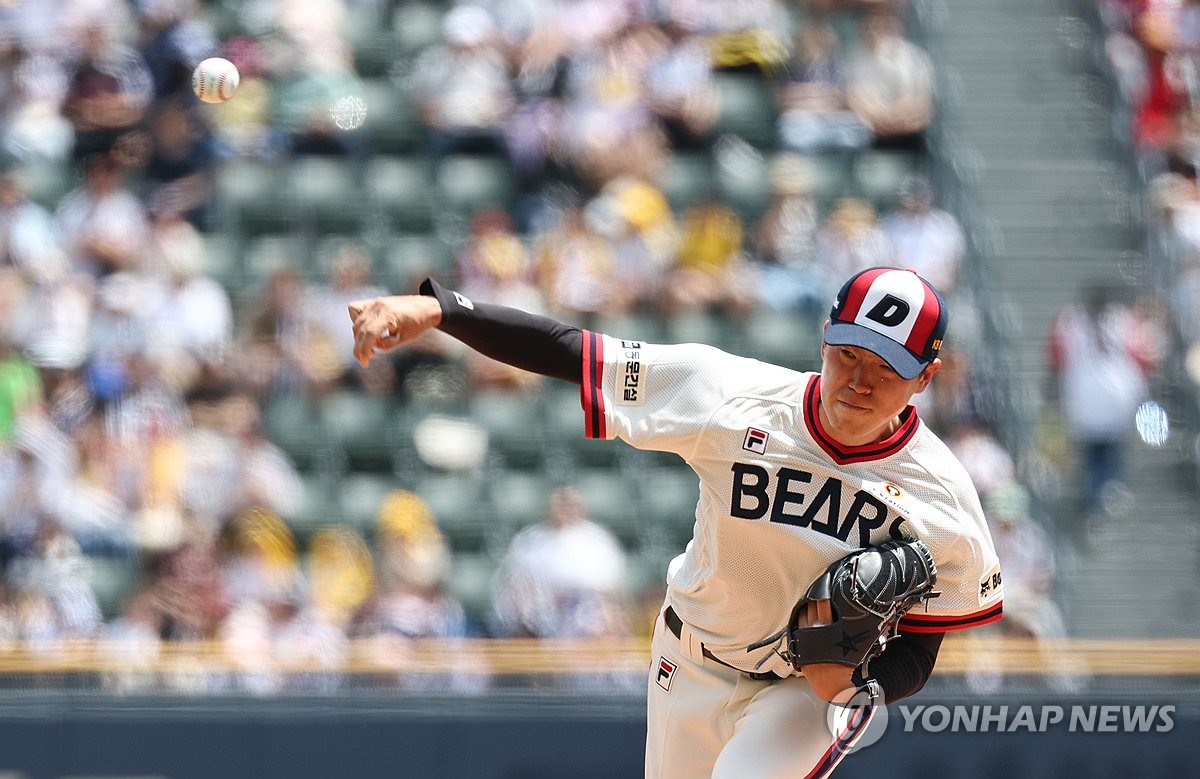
(464, 301)
(991, 585)
(631, 376)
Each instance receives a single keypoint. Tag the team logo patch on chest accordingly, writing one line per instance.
(666, 673)
(756, 441)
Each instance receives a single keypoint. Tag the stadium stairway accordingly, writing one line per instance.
(1027, 128)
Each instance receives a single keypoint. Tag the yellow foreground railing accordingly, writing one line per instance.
(960, 654)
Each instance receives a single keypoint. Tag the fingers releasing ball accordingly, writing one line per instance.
(215, 80)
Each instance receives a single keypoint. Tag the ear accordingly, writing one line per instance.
(927, 374)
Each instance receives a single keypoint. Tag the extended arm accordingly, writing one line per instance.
(534, 343)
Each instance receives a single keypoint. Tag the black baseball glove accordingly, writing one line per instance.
(869, 591)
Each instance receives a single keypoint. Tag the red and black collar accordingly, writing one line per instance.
(842, 454)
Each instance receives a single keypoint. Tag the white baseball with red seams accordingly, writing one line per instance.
(215, 80)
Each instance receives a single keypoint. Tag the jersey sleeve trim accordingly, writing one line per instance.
(591, 396)
(930, 623)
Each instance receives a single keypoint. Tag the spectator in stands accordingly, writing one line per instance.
(29, 237)
(680, 89)
(53, 574)
(349, 279)
(33, 128)
(851, 241)
(275, 354)
(411, 601)
(790, 274)
(20, 387)
(890, 82)
(1101, 353)
(710, 270)
(172, 40)
(814, 116)
(180, 172)
(1030, 610)
(108, 94)
(104, 226)
(925, 238)
(984, 457)
(563, 577)
(463, 86)
(194, 319)
(494, 265)
(576, 266)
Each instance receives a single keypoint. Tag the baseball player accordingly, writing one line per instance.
(828, 512)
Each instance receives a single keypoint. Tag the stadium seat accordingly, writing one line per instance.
(328, 194)
(291, 424)
(518, 498)
(878, 175)
(783, 338)
(223, 260)
(687, 179)
(253, 195)
(745, 108)
(513, 422)
(398, 188)
(831, 176)
(631, 326)
(265, 254)
(467, 182)
(411, 257)
(417, 26)
(700, 327)
(318, 506)
(567, 444)
(613, 500)
(470, 581)
(743, 180)
(46, 182)
(112, 579)
(669, 495)
(360, 428)
(457, 502)
(360, 496)
(392, 125)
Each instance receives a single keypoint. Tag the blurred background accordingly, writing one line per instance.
(226, 550)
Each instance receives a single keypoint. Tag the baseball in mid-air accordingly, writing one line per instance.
(215, 80)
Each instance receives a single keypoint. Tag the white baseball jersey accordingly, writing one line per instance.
(780, 499)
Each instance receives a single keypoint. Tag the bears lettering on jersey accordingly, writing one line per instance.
(793, 499)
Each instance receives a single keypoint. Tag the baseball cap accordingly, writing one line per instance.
(893, 313)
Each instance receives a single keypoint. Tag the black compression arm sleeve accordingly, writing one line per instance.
(905, 666)
(534, 343)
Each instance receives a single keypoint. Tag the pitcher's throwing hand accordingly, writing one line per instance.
(387, 322)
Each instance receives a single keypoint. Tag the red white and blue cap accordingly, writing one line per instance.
(893, 313)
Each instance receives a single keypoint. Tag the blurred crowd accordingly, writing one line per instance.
(133, 382)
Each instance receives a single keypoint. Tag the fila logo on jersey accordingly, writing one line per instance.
(631, 372)
(666, 673)
(756, 441)
(797, 500)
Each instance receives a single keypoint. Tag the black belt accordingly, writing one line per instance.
(675, 625)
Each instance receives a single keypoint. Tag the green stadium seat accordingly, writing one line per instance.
(700, 327)
(411, 257)
(513, 422)
(745, 108)
(457, 501)
(46, 182)
(612, 500)
(399, 189)
(417, 26)
(879, 174)
(328, 194)
(253, 195)
(831, 176)
(687, 179)
(518, 498)
(392, 124)
(223, 260)
(267, 254)
(372, 44)
(466, 182)
(743, 181)
(783, 338)
(470, 581)
(360, 427)
(565, 433)
(360, 496)
(318, 506)
(112, 580)
(631, 326)
(291, 423)
(669, 495)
